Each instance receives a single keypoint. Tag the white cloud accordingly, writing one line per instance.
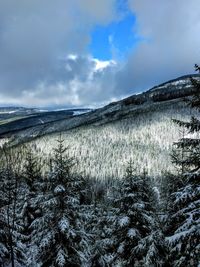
(37, 36)
(87, 78)
(72, 56)
(102, 64)
(44, 50)
(171, 43)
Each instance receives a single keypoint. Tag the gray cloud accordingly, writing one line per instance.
(84, 83)
(37, 37)
(171, 43)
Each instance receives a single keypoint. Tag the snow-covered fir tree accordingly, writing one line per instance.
(137, 239)
(60, 231)
(101, 221)
(11, 231)
(183, 224)
(31, 181)
(4, 229)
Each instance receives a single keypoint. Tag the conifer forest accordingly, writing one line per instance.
(54, 214)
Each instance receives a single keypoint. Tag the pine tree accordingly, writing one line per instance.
(60, 231)
(31, 180)
(136, 235)
(4, 233)
(11, 246)
(183, 223)
(28, 201)
(101, 221)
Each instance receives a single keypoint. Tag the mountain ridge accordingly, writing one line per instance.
(158, 97)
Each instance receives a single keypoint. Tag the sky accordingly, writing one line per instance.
(87, 53)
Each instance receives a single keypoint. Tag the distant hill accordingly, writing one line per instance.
(24, 124)
(14, 120)
(139, 127)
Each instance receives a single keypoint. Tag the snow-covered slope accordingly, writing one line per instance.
(159, 97)
(139, 127)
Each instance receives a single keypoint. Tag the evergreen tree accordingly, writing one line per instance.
(11, 246)
(100, 228)
(99, 213)
(29, 205)
(60, 232)
(31, 180)
(183, 222)
(4, 229)
(136, 235)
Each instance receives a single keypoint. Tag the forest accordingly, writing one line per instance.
(54, 214)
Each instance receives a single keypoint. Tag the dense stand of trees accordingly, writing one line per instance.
(54, 216)
(183, 221)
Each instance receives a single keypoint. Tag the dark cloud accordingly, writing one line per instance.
(45, 61)
(36, 36)
(84, 83)
(171, 43)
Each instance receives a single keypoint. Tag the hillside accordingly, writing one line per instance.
(14, 120)
(160, 97)
(139, 127)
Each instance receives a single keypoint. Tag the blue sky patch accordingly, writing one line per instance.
(114, 40)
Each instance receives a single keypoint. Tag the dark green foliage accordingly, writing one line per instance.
(4, 229)
(32, 178)
(31, 186)
(11, 232)
(183, 206)
(118, 223)
(137, 240)
(101, 222)
(60, 231)
(31, 170)
(183, 223)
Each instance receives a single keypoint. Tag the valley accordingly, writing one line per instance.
(138, 128)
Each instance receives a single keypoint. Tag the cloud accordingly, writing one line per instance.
(36, 36)
(170, 47)
(85, 84)
(45, 59)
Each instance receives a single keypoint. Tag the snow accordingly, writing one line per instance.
(41, 121)
(64, 224)
(131, 195)
(3, 141)
(131, 233)
(139, 206)
(46, 240)
(75, 113)
(121, 248)
(124, 221)
(8, 112)
(59, 189)
(61, 258)
(180, 82)
(157, 192)
(176, 237)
